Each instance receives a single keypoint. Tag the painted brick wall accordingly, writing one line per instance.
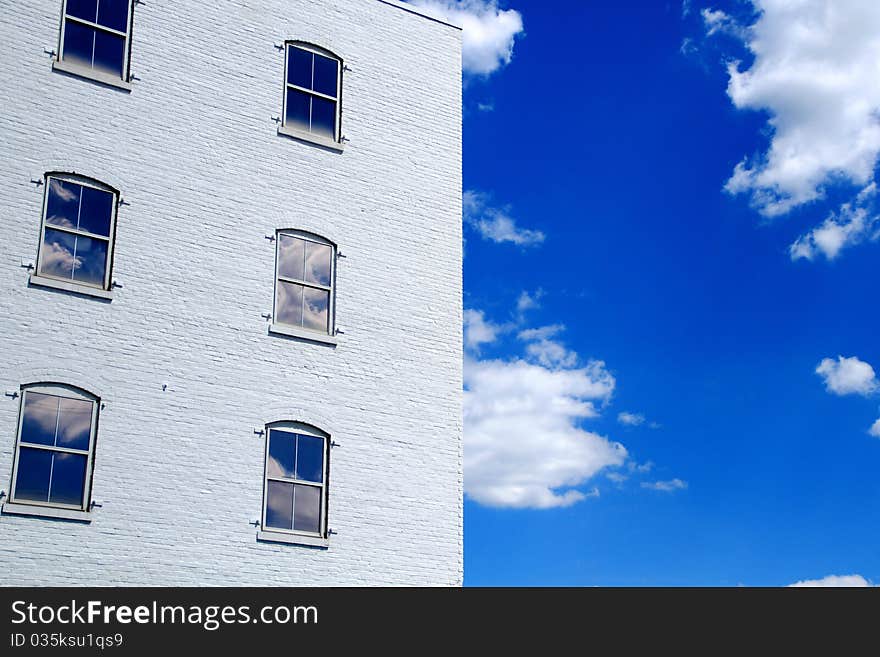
(194, 150)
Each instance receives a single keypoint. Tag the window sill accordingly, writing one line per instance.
(293, 539)
(301, 135)
(17, 509)
(85, 290)
(303, 334)
(91, 74)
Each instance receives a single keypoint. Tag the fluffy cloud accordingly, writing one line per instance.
(665, 486)
(494, 223)
(815, 71)
(488, 32)
(524, 446)
(875, 430)
(846, 581)
(524, 443)
(478, 330)
(847, 376)
(854, 223)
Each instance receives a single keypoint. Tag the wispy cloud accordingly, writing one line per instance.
(495, 223)
(489, 32)
(875, 430)
(835, 581)
(854, 223)
(631, 419)
(665, 486)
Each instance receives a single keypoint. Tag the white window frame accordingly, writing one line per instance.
(38, 277)
(68, 392)
(307, 135)
(317, 539)
(299, 329)
(90, 72)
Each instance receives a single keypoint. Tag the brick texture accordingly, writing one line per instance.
(194, 150)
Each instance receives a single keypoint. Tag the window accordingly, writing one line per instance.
(76, 237)
(311, 92)
(95, 38)
(304, 282)
(295, 493)
(55, 447)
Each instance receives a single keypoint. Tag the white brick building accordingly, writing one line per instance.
(197, 244)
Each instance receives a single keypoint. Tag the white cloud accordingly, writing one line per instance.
(524, 446)
(875, 430)
(854, 223)
(631, 419)
(528, 301)
(718, 22)
(541, 333)
(815, 71)
(494, 223)
(665, 486)
(847, 376)
(488, 32)
(847, 581)
(486, 107)
(478, 330)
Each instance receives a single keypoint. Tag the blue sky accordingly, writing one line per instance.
(670, 271)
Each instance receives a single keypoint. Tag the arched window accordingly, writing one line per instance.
(312, 91)
(95, 39)
(77, 231)
(305, 271)
(54, 447)
(295, 481)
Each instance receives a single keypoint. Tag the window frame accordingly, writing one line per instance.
(308, 135)
(110, 239)
(87, 71)
(68, 392)
(308, 333)
(292, 535)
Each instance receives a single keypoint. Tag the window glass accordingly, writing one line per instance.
(279, 505)
(53, 449)
(310, 459)
(311, 77)
(304, 286)
(67, 253)
(307, 509)
(282, 454)
(325, 76)
(100, 44)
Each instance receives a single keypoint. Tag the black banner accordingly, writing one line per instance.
(123, 621)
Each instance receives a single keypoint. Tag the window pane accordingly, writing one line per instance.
(113, 14)
(307, 514)
(57, 255)
(318, 263)
(79, 43)
(32, 478)
(96, 211)
(87, 9)
(299, 67)
(62, 206)
(324, 117)
(279, 505)
(316, 309)
(326, 70)
(74, 424)
(90, 261)
(289, 309)
(291, 256)
(109, 53)
(68, 479)
(297, 115)
(310, 459)
(282, 454)
(40, 418)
